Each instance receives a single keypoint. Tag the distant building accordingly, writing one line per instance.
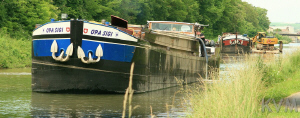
(281, 29)
(284, 30)
(270, 29)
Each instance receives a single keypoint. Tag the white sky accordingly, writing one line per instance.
(287, 11)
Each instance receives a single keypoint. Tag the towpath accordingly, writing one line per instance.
(296, 97)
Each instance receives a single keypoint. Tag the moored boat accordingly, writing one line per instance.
(234, 43)
(76, 55)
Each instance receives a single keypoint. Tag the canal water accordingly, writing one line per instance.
(17, 100)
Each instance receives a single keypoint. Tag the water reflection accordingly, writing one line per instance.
(230, 61)
(105, 105)
(15, 73)
(15, 93)
(74, 105)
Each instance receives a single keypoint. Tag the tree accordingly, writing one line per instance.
(262, 18)
(3, 14)
(146, 12)
(88, 9)
(128, 10)
(22, 15)
(210, 12)
(19, 17)
(160, 9)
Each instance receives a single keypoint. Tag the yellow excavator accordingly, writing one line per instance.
(264, 42)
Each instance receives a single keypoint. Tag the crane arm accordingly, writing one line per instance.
(255, 38)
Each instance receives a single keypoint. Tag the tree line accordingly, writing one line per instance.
(18, 17)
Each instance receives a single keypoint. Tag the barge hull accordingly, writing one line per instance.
(57, 69)
(153, 70)
(235, 49)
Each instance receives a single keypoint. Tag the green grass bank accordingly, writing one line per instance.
(235, 96)
(282, 76)
(240, 92)
(281, 80)
(14, 53)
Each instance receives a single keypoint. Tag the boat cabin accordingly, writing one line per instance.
(178, 27)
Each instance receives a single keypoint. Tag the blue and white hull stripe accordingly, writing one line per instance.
(116, 45)
(111, 51)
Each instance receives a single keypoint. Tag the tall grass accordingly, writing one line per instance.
(14, 53)
(239, 93)
(282, 76)
(280, 68)
(236, 95)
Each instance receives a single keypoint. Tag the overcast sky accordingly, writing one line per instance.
(287, 11)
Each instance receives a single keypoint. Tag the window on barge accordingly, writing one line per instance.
(172, 27)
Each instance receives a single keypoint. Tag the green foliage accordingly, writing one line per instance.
(262, 18)
(14, 53)
(221, 15)
(283, 66)
(21, 16)
(233, 95)
(242, 88)
(285, 39)
(282, 76)
(277, 30)
(232, 16)
(89, 9)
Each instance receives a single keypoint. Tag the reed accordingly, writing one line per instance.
(151, 113)
(236, 95)
(128, 95)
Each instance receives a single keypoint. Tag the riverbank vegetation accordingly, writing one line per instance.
(18, 18)
(282, 77)
(235, 96)
(14, 53)
(240, 92)
(284, 39)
